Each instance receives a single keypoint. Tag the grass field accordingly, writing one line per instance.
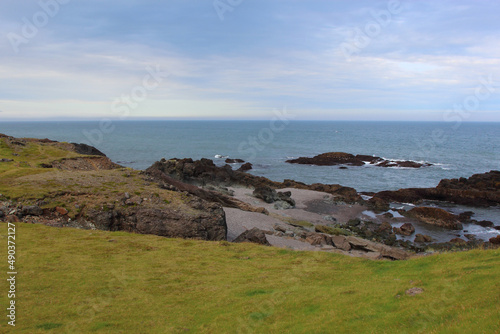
(81, 281)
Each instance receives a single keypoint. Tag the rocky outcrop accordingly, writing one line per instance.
(200, 220)
(204, 172)
(86, 149)
(435, 216)
(254, 235)
(478, 190)
(167, 182)
(341, 158)
(246, 166)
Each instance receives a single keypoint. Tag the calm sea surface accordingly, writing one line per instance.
(455, 152)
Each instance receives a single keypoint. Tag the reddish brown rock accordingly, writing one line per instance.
(495, 240)
(61, 211)
(341, 242)
(435, 216)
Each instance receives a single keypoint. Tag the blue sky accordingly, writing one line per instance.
(242, 59)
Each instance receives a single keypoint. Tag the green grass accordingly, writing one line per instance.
(77, 281)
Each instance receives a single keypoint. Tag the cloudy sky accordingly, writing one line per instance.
(242, 59)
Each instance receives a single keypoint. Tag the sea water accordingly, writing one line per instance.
(454, 150)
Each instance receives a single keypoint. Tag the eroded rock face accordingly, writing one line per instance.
(207, 221)
(478, 190)
(341, 158)
(435, 216)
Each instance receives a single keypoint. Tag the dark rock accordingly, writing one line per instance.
(435, 216)
(254, 235)
(246, 166)
(6, 160)
(484, 223)
(32, 210)
(479, 190)
(234, 161)
(343, 167)
(385, 227)
(341, 158)
(329, 159)
(204, 221)
(495, 240)
(421, 238)
(285, 196)
(378, 205)
(266, 194)
(405, 229)
(465, 217)
(204, 171)
(86, 149)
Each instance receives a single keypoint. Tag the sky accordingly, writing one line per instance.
(250, 59)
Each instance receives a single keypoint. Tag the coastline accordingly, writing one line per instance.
(227, 203)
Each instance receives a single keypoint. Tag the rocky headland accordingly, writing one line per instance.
(75, 185)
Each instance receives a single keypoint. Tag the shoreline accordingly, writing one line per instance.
(296, 215)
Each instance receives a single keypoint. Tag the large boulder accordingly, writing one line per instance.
(266, 194)
(254, 235)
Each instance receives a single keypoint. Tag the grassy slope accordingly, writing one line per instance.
(78, 281)
(74, 281)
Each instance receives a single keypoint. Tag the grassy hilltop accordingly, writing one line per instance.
(90, 281)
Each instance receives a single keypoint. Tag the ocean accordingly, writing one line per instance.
(455, 150)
